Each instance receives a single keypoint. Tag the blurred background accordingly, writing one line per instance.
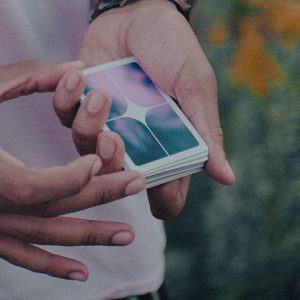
(243, 241)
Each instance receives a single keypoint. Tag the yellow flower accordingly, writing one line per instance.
(218, 34)
(252, 64)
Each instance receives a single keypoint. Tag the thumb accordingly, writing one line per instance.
(196, 91)
(27, 77)
(23, 185)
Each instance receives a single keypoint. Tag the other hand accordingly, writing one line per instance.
(32, 200)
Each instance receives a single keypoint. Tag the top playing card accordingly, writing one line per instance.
(151, 125)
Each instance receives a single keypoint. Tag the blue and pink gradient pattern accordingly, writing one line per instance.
(149, 126)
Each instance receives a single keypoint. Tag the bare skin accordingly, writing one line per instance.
(166, 47)
(31, 200)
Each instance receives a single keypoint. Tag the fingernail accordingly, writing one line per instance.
(122, 238)
(135, 186)
(95, 103)
(73, 81)
(230, 171)
(106, 148)
(77, 276)
(96, 167)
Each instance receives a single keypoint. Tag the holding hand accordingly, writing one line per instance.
(31, 200)
(163, 42)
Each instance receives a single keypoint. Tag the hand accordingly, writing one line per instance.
(31, 200)
(165, 45)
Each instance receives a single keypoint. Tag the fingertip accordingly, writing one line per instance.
(111, 150)
(230, 174)
(92, 162)
(96, 167)
(81, 274)
(114, 138)
(122, 238)
(135, 186)
(106, 147)
(67, 93)
(221, 172)
(73, 80)
(78, 276)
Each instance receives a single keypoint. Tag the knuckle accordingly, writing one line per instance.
(42, 210)
(81, 131)
(218, 131)
(107, 194)
(85, 141)
(103, 191)
(38, 235)
(29, 87)
(65, 106)
(31, 84)
(203, 81)
(51, 267)
(66, 122)
(167, 203)
(100, 196)
(66, 115)
(168, 213)
(61, 105)
(90, 237)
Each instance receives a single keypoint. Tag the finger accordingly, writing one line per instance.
(201, 107)
(167, 200)
(65, 231)
(198, 99)
(190, 79)
(23, 185)
(90, 120)
(111, 149)
(35, 259)
(67, 95)
(27, 77)
(100, 190)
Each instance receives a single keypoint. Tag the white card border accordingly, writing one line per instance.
(197, 150)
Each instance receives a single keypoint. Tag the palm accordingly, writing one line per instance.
(156, 35)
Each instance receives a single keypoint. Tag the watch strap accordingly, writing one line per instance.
(104, 5)
(183, 7)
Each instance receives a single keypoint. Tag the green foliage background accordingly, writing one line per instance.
(243, 241)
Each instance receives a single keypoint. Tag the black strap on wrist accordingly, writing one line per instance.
(103, 6)
(183, 11)
(106, 5)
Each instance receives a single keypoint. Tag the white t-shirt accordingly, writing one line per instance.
(52, 31)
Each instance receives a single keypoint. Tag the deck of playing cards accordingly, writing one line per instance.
(160, 141)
